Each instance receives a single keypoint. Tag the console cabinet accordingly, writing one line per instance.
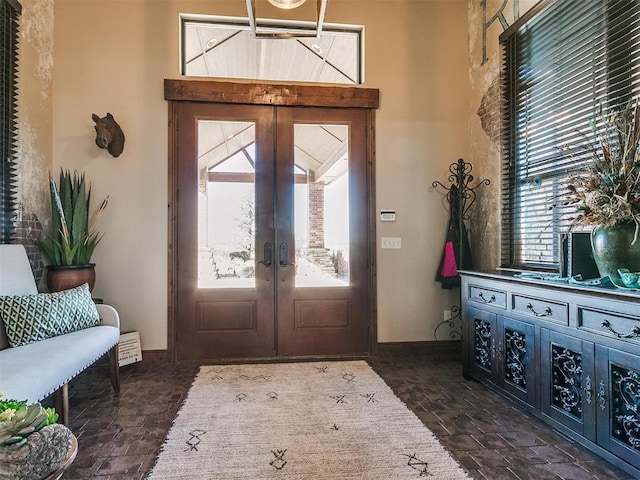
(568, 354)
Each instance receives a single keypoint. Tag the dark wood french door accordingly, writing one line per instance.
(272, 229)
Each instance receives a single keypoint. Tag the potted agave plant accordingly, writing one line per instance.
(73, 238)
(32, 444)
(607, 193)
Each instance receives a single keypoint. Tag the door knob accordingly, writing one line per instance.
(267, 255)
(284, 255)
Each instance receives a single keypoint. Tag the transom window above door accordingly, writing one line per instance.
(224, 47)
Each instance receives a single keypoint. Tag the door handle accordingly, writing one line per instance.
(267, 255)
(284, 255)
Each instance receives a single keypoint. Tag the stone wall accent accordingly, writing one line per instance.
(487, 20)
(34, 133)
(490, 111)
(316, 215)
(27, 228)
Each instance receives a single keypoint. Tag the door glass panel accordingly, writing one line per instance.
(321, 178)
(226, 204)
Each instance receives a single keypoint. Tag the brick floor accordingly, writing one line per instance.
(118, 438)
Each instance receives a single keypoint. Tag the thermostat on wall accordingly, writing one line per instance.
(387, 215)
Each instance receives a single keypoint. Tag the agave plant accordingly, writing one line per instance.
(73, 239)
(17, 424)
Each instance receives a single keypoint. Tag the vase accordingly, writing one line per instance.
(64, 277)
(614, 248)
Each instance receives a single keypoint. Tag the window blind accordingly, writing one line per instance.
(560, 64)
(9, 12)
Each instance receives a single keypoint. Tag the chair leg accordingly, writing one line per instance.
(114, 368)
(61, 403)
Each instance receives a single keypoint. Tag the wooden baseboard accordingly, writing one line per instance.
(156, 357)
(447, 347)
(442, 347)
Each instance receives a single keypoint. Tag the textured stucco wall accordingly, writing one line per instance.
(487, 20)
(34, 157)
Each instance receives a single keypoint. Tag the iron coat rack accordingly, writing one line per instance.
(461, 195)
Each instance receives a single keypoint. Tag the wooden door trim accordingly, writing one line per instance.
(371, 225)
(172, 232)
(270, 94)
(212, 91)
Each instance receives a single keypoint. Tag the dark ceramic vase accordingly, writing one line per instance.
(64, 277)
(613, 248)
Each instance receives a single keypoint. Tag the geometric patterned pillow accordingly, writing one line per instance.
(29, 318)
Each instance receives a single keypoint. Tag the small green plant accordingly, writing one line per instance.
(242, 255)
(340, 264)
(19, 420)
(246, 223)
(73, 239)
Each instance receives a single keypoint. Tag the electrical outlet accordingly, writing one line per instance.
(391, 242)
(447, 315)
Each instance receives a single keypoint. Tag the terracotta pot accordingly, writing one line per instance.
(64, 277)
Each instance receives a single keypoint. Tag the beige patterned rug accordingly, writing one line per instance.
(294, 421)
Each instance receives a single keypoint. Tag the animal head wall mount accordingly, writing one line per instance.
(109, 134)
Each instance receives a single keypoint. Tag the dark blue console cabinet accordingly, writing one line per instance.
(568, 354)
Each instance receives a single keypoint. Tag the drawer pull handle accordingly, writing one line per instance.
(491, 300)
(545, 313)
(602, 396)
(634, 333)
(587, 390)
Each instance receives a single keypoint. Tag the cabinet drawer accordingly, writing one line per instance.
(542, 309)
(488, 296)
(610, 324)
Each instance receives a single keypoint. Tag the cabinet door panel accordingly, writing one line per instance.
(516, 358)
(568, 381)
(619, 403)
(481, 347)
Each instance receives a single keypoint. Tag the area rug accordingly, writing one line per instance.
(295, 421)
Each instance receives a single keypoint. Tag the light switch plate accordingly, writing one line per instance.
(391, 242)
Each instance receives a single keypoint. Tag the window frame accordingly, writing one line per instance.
(548, 106)
(242, 23)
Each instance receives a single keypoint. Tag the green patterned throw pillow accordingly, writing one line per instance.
(29, 318)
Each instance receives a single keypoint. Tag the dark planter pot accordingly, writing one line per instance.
(613, 249)
(64, 277)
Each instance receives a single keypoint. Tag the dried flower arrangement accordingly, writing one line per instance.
(607, 192)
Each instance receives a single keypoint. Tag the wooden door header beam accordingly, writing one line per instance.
(270, 94)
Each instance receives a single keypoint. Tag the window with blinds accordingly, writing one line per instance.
(561, 62)
(9, 12)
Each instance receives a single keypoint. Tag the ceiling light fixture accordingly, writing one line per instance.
(281, 32)
(287, 4)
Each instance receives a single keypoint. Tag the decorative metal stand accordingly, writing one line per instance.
(454, 323)
(465, 195)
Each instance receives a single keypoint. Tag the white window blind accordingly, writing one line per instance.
(561, 62)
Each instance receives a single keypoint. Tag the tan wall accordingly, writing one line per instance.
(112, 56)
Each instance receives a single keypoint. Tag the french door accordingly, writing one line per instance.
(272, 254)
